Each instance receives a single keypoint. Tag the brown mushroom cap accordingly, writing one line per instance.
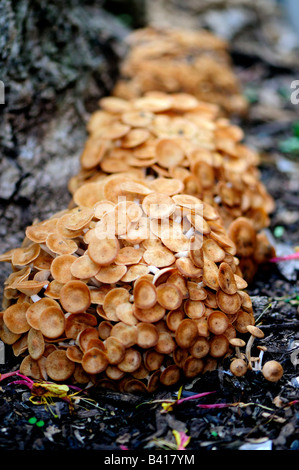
(75, 297)
(58, 366)
(255, 331)
(61, 268)
(217, 322)
(186, 333)
(194, 309)
(272, 371)
(74, 354)
(76, 322)
(171, 375)
(145, 294)
(166, 343)
(174, 318)
(147, 335)
(25, 255)
(15, 318)
(238, 367)
(36, 343)
(131, 361)
(219, 346)
(30, 368)
(200, 348)
(193, 367)
(226, 279)
(84, 337)
(126, 334)
(228, 303)
(169, 296)
(113, 299)
(243, 235)
(104, 329)
(103, 251)
(84, 268)
(243, 320)
(94, 361)
(150, 315)
(153, 360)
(115, 350)
(35, 310)
(52, 322)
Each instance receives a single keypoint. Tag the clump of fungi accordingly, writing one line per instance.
(129, 293)
(174, 143)
(175, 60)
(141, 281)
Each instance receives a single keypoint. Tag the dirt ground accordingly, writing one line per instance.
(248, 413)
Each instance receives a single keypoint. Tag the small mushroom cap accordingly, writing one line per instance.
(228, 303)
(74, 354)
(193, 367)
(219, 346)
(272, 371)
(145, 294)
(153, 360)
(126, 334)
(114, 299)
(103, 251)
(147, 335)
(52, 322)
(15, 318)
(237, 342)
(75, 296)
(243, 235)
(58, 366)
(85, 336)
(150, 315)
(61, 268)
(158, 205)
(115, 350)
(94, 361)
(166, 343)
(226, 279)
(131, 361)
(238, 367)
(135, 386)
(171, 375)
(255, 331)
(30, 368)
(174, 318)
(169, 296)
(36, 343)
(35, 310)
(186, 333)
(200, 348)
(243, 320)
(76, 322)
(217, 322)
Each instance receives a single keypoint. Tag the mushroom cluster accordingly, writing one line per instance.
(141, 281)
(174, 142)
(175, 60)
(138, 289)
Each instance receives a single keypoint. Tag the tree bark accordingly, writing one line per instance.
(57, 58)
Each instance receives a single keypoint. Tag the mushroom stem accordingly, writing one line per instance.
(248, 350)
(255, 332)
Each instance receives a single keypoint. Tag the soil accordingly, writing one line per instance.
(248, 413)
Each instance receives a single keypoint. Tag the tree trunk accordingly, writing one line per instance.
(57, 58)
